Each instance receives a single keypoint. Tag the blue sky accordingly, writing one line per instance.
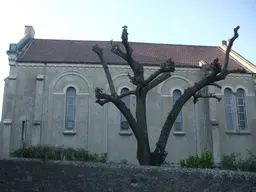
(199, 22)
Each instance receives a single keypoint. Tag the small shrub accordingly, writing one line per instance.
(234, 161)
(124, 161)
(206, 160)
(194, 161)
(57, 153)
(229, 161)
(103, 158)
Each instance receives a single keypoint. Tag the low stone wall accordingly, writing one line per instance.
(23, 175)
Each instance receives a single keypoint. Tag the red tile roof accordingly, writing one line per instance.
(71, 51)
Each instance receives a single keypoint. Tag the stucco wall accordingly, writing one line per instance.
(32, 175)
(237, 141)
(98, 128)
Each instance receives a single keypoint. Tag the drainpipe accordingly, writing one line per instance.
(43, 102)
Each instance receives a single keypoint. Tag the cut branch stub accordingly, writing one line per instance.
(128, 49)
(102, 98)
(168, 66)
(224, 71)
(116, 50)
(97, 50)
(213, 69)
(98, 92)
(132, 79)
(125, 34)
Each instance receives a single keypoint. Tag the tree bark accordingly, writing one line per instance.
(143, 150)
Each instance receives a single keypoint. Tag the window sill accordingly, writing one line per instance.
(37, 123)
(69, 132)
(179, 133)
(238, 132)
(125, 133)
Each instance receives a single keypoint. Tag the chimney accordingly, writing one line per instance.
(201, 63)
(224, 43)
(29, 30)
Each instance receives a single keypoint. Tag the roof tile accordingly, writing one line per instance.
(71, 51)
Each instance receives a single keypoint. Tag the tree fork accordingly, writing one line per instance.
(214, 73)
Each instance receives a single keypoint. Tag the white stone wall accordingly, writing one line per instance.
(40, 99)
(238, 141)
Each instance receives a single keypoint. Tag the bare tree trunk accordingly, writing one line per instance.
(143, 150)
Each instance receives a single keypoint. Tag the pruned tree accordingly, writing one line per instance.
(138, 124)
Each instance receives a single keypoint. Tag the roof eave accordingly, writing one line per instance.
(240, 59)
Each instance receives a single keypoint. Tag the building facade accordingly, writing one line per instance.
(49, 99)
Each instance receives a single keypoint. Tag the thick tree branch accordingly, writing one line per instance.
(239, 70)
(157, 81)
(200, 95)
(132, 79)
(230, 44)
(167, 66)
(117, 51)
(213, 70)
(128, 49)
(213, 74)
(153, 76)
(221, 76)
(103, 98)
(126, 94)
(102, 102)
(128, 55)
(215, 84)
(136, 67)
(224, 71)
(99, 52)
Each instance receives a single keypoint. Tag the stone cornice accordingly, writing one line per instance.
(95, 66)
(7, 122)
(12, 77)
(115, 67)
(40, 77)
(237, 75)
(12, 59)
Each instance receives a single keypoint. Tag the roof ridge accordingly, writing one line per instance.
(133, 42)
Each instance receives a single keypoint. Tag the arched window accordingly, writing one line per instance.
(124, 125)
(178, 124)
(70, 108)
(229, 108)
(241, 109)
